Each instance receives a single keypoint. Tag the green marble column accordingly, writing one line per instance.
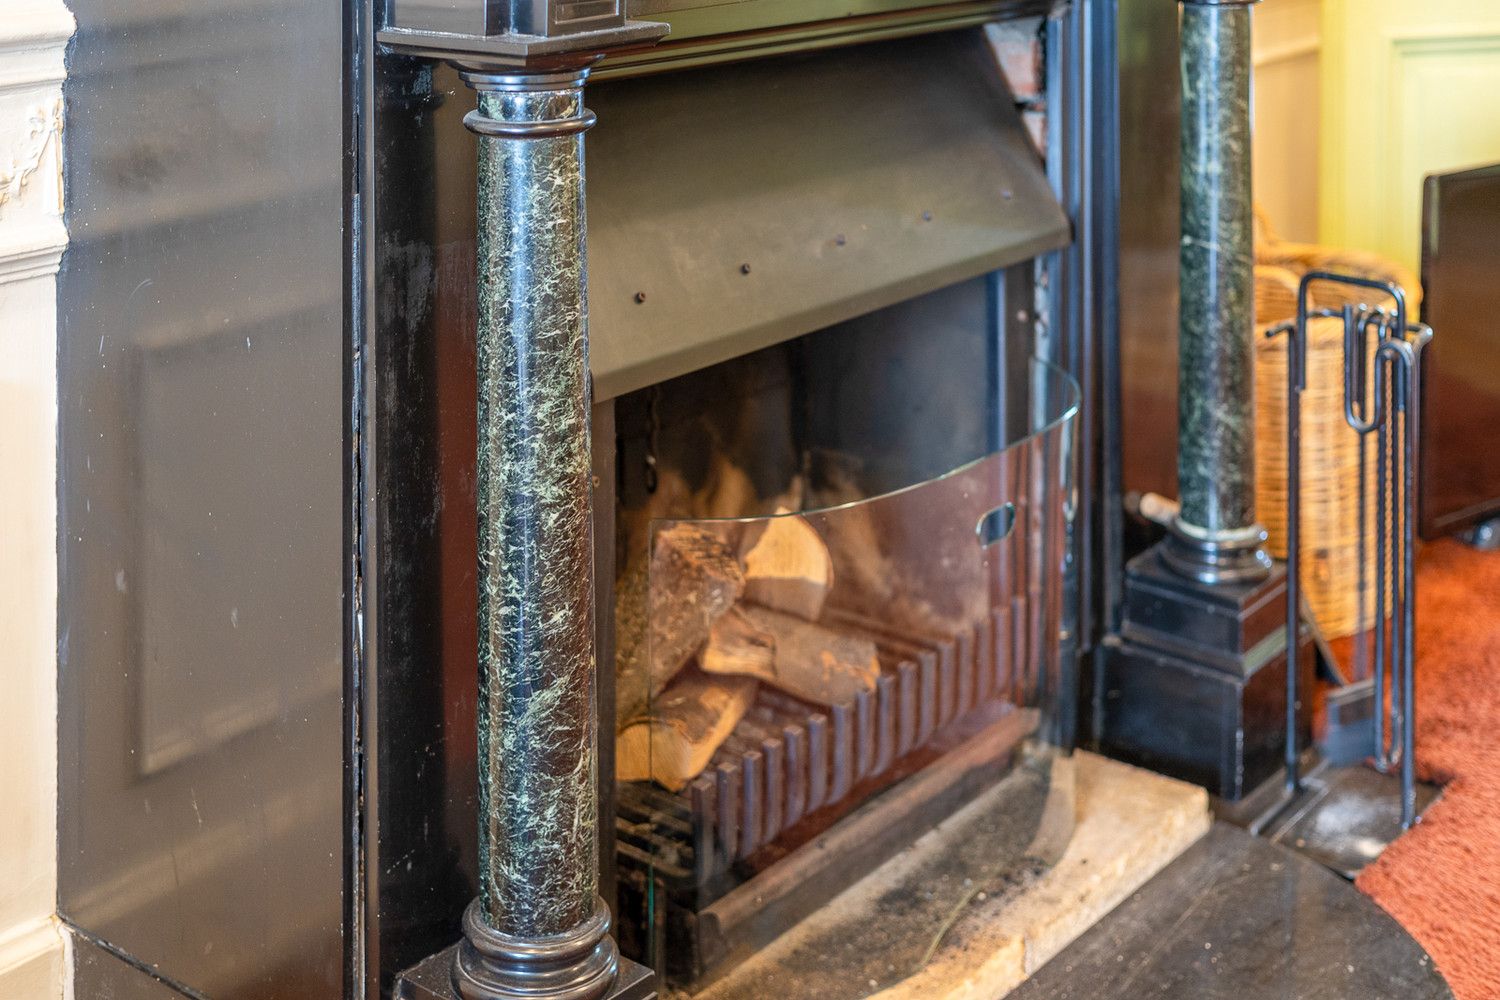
(1218, 535)
(538, 927)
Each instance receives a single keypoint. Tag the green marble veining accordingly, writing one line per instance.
(537, 723)
(1216, 390)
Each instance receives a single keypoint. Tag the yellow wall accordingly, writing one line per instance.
(1286, 37)
(1409, 87)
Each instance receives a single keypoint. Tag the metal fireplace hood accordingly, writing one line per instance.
(736, 206)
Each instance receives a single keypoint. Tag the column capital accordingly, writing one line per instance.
(525, 124)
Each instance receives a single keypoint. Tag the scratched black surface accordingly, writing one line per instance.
(202, 463)
(1238, 918)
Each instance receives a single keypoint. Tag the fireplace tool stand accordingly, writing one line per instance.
(1371, 716)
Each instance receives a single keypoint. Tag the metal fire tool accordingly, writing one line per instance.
(1383, 404)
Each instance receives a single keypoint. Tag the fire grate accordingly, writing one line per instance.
(790, 764)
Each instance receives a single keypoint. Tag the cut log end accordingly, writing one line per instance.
(738, 646)
(695, 578)
(675, 741)
(788, 567)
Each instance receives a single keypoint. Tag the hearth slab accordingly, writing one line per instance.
(951, 919)
(1236, 918)
(1346, 817)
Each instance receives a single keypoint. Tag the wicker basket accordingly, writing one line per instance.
(1330, 449)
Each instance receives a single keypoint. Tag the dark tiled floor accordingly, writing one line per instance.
(1237, 918)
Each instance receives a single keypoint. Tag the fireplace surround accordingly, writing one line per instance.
(296, 464)
(287, 408)
(859, 235)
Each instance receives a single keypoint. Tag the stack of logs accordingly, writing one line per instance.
(729, 606)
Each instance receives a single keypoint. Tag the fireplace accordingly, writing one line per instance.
(840, 601)
(836, 602)
(832, 481)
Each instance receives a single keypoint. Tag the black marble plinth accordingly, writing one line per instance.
(1223, 625)
(1195, 683)
(432, 979)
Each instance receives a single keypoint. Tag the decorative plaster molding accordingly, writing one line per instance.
(32, 235)
(33, 42)
(33, 39)
(36, 24)
(43, 134)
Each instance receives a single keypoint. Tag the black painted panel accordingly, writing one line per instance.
(203, 456)
(102, 974)
(1149, 109)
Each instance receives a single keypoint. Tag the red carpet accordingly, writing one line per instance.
(1442, 879)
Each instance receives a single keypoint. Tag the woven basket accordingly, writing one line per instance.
(1330, 449)
(1299, 258)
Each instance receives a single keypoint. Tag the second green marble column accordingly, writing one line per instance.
(1216, 389)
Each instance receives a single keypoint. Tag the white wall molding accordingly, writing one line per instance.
(37, 151)
(33, 41)
(1405, 93)
(33, 44)
(31, 249)
(32, 959)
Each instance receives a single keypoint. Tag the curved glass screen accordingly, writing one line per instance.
(858, 668)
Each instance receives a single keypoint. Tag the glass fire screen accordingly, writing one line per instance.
(780, 673)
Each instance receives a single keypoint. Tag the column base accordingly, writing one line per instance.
(1195, 683)
(1236, 558)
(432, 979)
(583, 964)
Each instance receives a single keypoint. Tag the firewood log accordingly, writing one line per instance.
(728, 492)
(694, 578)
(788, 568)
(738, 646)
(673, 742)
(804, 659)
